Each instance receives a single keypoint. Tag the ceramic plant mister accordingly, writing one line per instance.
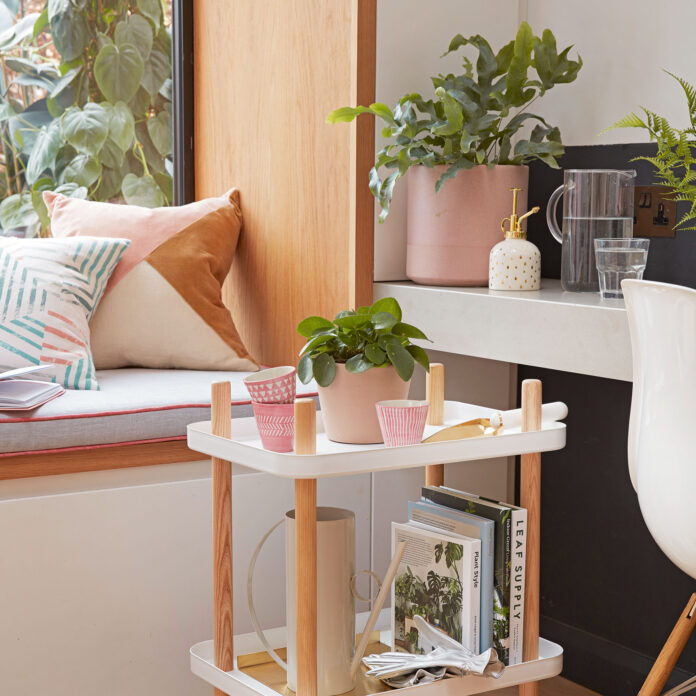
(515, 263)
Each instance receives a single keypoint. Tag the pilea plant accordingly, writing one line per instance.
(473, 117)
(365, 338)
(675, 161)
(85, 106)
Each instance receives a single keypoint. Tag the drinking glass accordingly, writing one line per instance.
(618, 259)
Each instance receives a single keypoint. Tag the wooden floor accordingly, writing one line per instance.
(558, 686)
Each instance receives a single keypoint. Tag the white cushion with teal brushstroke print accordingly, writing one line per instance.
(49, 289)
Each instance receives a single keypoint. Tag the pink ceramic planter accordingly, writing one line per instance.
(276, 424)
(348, 403)
(276, 385)
(451, 233)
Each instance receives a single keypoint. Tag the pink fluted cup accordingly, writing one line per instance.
(402, 421)
(276, 424)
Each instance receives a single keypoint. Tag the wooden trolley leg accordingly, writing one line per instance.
(306, 554)
(435, 396)
(223, 631)
(672, 649)
(530, 498)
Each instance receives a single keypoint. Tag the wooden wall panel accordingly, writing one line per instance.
(267, 72)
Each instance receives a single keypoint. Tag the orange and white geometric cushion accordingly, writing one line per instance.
(49, 290)
(163, 307)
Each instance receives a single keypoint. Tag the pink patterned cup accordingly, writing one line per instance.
(402, 421)
(276, 424)
(276, 385)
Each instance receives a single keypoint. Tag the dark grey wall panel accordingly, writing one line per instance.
(609, 595)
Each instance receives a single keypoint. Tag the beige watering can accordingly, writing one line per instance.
(336, 596)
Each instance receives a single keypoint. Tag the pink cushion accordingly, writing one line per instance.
(73, 216)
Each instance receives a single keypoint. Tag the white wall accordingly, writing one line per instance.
(624, 45)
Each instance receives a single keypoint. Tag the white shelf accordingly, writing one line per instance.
(238, 683)
(568, 331)
(336, 459)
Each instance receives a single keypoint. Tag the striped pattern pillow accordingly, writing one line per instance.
(49, 289)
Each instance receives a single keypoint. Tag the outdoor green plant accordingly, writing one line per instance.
(675, 161)
(369, 337)
(475, 116)
(85, 106)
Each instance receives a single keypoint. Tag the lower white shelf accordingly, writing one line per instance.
(239, 683)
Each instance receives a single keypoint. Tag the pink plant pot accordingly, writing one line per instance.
(451, 233)
(402, 421)
(276, 385)
(348, 403)
(276, 424)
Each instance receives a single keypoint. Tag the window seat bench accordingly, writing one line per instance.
(137, 418)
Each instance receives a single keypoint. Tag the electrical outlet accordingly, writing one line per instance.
(653, 214)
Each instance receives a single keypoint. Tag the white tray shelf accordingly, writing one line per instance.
(238, 683)
(336, 459)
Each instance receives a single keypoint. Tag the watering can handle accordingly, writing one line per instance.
(250, 598)
(551, 214)
(250, 595)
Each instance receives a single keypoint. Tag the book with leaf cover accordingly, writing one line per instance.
(438, 578)
(456, 522)
(508, 601)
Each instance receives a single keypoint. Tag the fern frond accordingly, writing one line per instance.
(689, 91)
(630, 121)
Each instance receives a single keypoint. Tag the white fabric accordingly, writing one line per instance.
(143, 320)
(133, 404)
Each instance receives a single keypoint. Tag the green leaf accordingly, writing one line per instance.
(357, 364)
(111, 155)
(152, 9)
(420, 356)
(401, 359)
(375, 354)
(69, 28)
(142, 191)
(385, 339)
(160, 129)
(109, 185)
(121, 125)
(353, 321)
(83, 171)
(409, 331)
(324, 369)
(86, 129)
(140, 103)
(118, 71)
(40, 24)
(137, 31)
(17, 211)
(43, 154)
(157, 69)
(383, 320)
(387, 304)
(305, 369)
(317, 341)
(311, 324)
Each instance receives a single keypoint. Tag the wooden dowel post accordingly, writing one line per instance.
(435, 396)
(223, 630)
(530, 498)
(306, 554)
(672, 649)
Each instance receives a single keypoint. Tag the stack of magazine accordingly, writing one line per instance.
(18, 394)
(463, 571)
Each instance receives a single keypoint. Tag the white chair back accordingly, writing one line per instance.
(662, 431)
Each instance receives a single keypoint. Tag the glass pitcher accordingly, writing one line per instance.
(598, 203)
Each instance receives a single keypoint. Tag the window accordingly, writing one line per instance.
(86, 105)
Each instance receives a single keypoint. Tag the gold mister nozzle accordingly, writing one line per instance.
(515, 229)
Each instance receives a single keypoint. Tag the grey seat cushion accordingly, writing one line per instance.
(133, 405)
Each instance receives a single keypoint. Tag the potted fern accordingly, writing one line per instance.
(675, 161)
(359, 358)
(465, 149)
